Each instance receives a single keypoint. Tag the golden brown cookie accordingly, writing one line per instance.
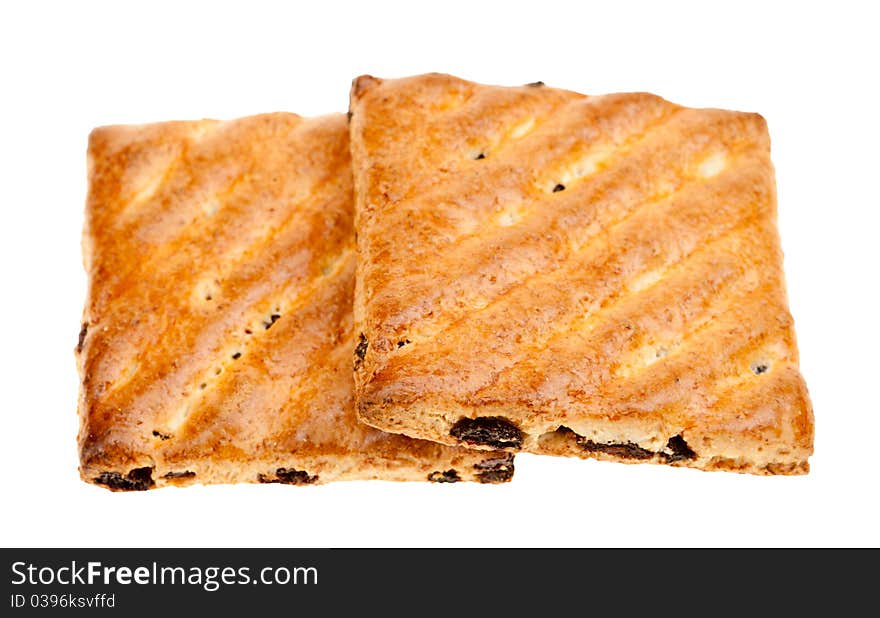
(564, 274)
(216, 341)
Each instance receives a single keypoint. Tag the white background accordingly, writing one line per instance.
(810, 69)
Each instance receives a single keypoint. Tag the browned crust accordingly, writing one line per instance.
(217, 334)
(607, 264)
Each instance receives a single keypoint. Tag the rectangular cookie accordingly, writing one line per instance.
(217, 339)
(598, 276)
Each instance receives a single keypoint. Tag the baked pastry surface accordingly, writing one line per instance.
(216, 340)
(564, 274)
